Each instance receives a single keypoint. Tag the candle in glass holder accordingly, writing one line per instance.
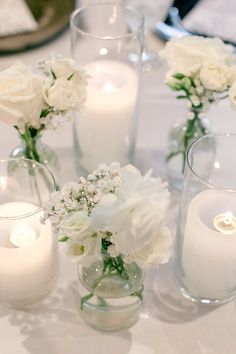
(26, 257)
(104, 126)
(209, 249)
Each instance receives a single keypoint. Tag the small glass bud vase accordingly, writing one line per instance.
(115, 298)
(35, 149)
(181, 136)
(205, 258)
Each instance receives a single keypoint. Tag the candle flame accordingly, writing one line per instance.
(225, 223)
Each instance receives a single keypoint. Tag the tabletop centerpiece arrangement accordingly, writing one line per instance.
(33, 103)
(112, 225)
(202, 72)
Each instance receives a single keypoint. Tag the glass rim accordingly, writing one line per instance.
(94, 36)
(189, 151)
(40, 165)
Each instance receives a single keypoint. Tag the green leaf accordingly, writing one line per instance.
(64, 239)
(53, 74)
(70, 77)
(181, 97)
(179, 76)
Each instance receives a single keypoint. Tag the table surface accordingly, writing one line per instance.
(169, 324)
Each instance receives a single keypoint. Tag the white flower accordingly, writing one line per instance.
(232, 75)
(66, 88)
(215, 75)
(155, 253)
(136, 214)
(76, 225)
(186, 55)
(232, 95)
(64, 95)
(84, 252)
(21, 98)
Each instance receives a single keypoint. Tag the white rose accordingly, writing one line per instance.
(21, 98)
(214, 75)
(232, 78)
(155, 253)
(186, 55)
(64, 94)
(232, 95)
(136, 214)
(83, 252)
(76, 225)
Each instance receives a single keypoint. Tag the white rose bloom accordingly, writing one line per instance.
(64, 95)
(232, 78)
(137, 213)
(155, 253)
(21, 98)
(186, 55)
(215, 75)
(83, 252)
(67, 89)
(232, 95)
(76, 225)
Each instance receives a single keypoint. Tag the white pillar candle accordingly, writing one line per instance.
(104, 126)
(26, 255)
(209, 249)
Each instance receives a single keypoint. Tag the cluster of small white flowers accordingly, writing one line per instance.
(116, 207)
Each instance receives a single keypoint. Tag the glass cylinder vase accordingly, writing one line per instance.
(180, 137)
(28, 257)
(205, 261)
(107, 39)
(113, 301)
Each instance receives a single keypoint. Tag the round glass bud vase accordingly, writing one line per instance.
(181, 136)
(114, 301)
(44, 154)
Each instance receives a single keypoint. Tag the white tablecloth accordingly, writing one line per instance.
(169, 324)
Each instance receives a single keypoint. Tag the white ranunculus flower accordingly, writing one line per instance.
(155, 253)
(232, 95)
(186, 55)
(84, 252)
(77, 225)
(214, 75)
(21, 98)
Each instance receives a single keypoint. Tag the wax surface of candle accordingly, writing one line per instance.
(22, 236)
(105, 124)
(209, 256)
(25, 272)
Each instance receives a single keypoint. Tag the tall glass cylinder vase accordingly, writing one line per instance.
(28, 257)
(107, 40)
(205, 262)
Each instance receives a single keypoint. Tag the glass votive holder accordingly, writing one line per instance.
(107, 39)
(205, 259)
(28, 257)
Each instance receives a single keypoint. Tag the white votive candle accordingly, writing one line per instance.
(104, 126)
(26, 254)
(209, 249)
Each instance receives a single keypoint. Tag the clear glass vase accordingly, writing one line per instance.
(114, 301)
(181, 136)
(205, 258)
(35, 149)
(28, 248)
(107, 38)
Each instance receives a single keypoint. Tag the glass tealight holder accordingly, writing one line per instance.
(205, 259)
(107, 40)
(28, 257)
